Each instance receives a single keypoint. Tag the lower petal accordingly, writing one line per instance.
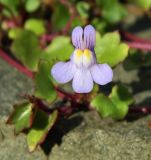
(101, 73)
(82, 81)
(63, 72)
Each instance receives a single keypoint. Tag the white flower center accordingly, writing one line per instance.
(83, 58)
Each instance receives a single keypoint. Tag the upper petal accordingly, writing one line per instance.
(102, 73)
(89, 37)
(63, 72)
(82, 81)
(77, 40)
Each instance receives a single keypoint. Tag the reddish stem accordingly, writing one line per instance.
(130, 37)
(28, 73)
(15, 64)
(139, 45)
(64, 95)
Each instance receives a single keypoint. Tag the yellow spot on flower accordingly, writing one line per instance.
(87, 53)
(79, 53)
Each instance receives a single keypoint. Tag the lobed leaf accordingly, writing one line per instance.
(109, 49)
(116, 105)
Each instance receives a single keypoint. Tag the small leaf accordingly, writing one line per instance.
(36, 26)
(116, 105)
(103, 105)
(32, 5)
(109, 49)
(59, 49)
(121, 98)
(26, 48)
(44, 87)
(21, 116)
(41, 126)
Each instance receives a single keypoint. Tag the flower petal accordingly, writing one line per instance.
(82, 81)
(77, 40)
(102, 73)
(89, 37)
(63, 72)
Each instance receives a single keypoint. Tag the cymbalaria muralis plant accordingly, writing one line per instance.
(39, 112)
(82, 66)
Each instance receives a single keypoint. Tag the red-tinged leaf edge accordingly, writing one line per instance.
(44, 137)
(8, 121)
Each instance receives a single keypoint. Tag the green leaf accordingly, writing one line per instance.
(14, 32)
(141, 3)
(109, 49)
(112, 10)
(32, 5)
(103, 105)
(121, 98)
(99, 25)
(44, 87)
(60, 49)
(26, 48)
(60, 16)
(83, 9)
(11, 5)
(41, 126)
(21, 116)
(36, 26)
(116, 105)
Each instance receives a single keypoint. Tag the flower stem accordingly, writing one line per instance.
(16, 64)
(136, 42)
(139, 45)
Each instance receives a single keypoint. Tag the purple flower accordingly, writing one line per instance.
(82, 66)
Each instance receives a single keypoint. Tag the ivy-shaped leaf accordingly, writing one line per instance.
(21, 116)
(44, 87)
(40, 128)
(116, 105)
(109, 49)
